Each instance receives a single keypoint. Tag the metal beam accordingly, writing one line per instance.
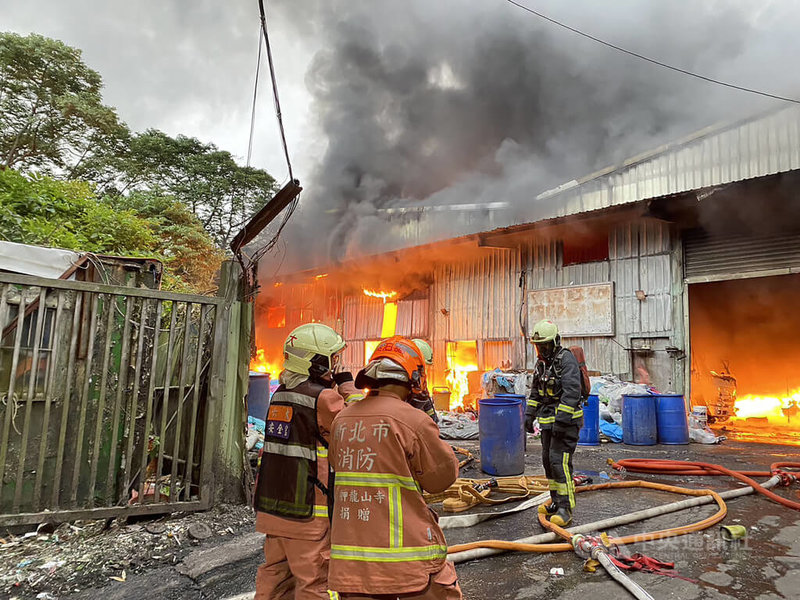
(266, 215)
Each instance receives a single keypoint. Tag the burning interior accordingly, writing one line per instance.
(745, 355)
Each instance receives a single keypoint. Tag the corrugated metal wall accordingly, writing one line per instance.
(481, 301)
(639, 259)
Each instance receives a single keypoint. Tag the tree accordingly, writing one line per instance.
(51, 113)
(40, 210)
(221, 193)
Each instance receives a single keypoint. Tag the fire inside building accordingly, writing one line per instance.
(679, 268)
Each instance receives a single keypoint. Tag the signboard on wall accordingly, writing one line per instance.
(578, 310)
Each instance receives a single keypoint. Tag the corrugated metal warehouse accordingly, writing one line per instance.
(633, 262)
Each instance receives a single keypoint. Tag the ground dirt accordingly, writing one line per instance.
(763, 567)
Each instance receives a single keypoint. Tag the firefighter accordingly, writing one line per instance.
(556, 401)
(292, 488)
(385, 541)
(423, 401)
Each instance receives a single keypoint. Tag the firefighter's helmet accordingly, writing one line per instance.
(405, 353)
(310, 349)
(425, 348)
(545, 331)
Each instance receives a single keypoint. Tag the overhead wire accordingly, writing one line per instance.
(276, 99)
(652, 60)
(255, 98)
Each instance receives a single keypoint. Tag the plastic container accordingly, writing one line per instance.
(441, 398)
(673, 428)
(589, 434)
(258, 395)
(700, 414)
(502, 435)
(639, 420)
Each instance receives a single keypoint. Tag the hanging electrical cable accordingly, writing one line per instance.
(255, 98)
(652, 60)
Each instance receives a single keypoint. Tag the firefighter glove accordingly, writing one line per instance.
(342, 377)
(530, 416)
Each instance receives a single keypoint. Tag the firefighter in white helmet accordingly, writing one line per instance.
(422, 400)
(293, 492)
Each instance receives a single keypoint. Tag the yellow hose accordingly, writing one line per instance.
(631, 539)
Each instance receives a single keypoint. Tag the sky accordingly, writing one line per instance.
(393, 103)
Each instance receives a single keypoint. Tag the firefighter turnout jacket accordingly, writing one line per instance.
(384, 538)
(556, 393)
(289, 502)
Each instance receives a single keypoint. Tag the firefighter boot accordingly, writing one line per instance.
(550, 508)
(562, 517)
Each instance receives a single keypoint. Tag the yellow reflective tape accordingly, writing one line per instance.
(320, 510)
(570, 484)
(399, 517)
(375, 480)
(372, 554)
(578, 414)
(565, 408)
(546, 420)
(322, 452)
(354, 397)
(333, 595)
(533, 403)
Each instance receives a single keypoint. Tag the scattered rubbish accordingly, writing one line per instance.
(85, 554)
(458, 426)
(46, 529)
(46, 596)
(557, 572)
(156, 528)
(255, 433)
(731, 533)
(199, 531)
(122, 578)
(612, 431)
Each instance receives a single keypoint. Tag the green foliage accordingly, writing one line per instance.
(51, 113)
(46, 212)
(221, 193)
(40, 210)
(178, 199)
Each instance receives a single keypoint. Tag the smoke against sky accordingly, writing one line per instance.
(393, 104)
(448, 103)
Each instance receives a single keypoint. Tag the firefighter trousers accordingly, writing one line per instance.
(294, 569)
(557, 450)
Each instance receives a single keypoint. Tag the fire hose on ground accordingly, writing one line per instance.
(590, 547)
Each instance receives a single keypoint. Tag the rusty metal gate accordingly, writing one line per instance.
(106, 399)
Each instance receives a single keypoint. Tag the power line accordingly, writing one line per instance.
(274, 86)
(255, 97)
(652, 60)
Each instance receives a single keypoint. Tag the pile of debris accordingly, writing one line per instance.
(55, 561)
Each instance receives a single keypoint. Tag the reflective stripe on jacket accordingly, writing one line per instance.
(556, 392)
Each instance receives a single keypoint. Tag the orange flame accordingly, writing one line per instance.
(383, 295)
(321, 276)
(462, 358)
(770, 410)
(260, 364)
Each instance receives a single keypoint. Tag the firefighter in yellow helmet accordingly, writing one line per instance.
(422, 399)
(293, 486)
(385, 541)
(556, 401)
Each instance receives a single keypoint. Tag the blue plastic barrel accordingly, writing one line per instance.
(639, 421)
(258, 395)
(589, 434)
(671, 415)
(502, 435)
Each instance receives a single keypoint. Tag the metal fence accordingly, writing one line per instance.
(106, 398)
